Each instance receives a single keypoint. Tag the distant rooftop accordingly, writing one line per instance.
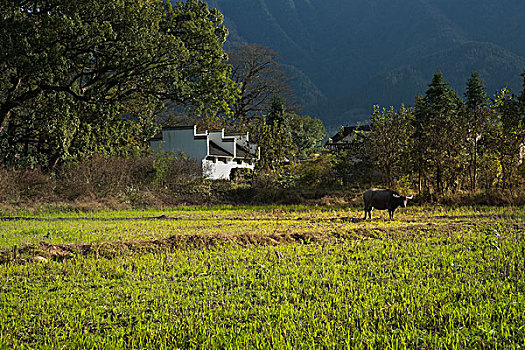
(347, 130)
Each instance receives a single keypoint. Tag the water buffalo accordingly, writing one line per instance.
(382, 200)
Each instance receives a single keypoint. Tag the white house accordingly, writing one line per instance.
(218, 151)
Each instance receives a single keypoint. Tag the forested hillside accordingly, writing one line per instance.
(350, 54)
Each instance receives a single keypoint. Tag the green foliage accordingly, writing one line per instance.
(316, 172)
(275, 143)
(284, 136)
(161, 167)
(354, 165)
(307, 134)
(276, 113)
(478, 119)
(440, 128)
(475, 94)
(445, 145)
(508, 136)
(84, 77)
(389, 140)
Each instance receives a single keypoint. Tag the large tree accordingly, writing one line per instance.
(83, 76)
(439, 128)
(307, 134)
(508, 134)
(390, 131)
(258, 70)
(284, 136)
(478, 113)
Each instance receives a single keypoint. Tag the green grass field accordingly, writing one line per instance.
(264, 278)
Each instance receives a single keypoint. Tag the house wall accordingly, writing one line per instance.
(217, 137)
(220, 170)
(193, 145)
(182, 140)
(244, 142)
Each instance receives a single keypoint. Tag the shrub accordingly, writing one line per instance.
(19, 185)
(316, 172)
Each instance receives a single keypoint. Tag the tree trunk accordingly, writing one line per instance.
(475, 175)
(438, 180)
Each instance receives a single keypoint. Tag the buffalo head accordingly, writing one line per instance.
(402, 200)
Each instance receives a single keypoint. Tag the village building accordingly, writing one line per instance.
(345, 137)
(217, 151)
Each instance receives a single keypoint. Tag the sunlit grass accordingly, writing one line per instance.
(58, 228)
(433, 278)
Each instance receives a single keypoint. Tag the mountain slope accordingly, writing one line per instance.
(496, 65)
(355, 52)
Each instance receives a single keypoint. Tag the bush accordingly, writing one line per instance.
(316, 172)
(111, 182)
(117, 183)
(20, 185)
(100, 177)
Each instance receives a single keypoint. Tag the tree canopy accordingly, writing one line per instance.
(80, 76)
(258, 70)
(451, 144)
(438, 119)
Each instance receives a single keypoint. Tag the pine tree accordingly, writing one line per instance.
(477, 114)
(439, 126)
(277, 112)
(419, 142)
(521, 101)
